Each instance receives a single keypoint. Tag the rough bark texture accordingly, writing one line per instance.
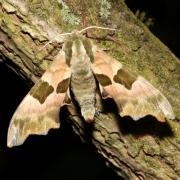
(142, 150)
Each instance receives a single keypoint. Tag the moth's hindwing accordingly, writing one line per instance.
(134, 95)
(39, 110)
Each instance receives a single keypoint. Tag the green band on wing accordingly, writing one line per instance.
(125, 78)
(63, 86)
(41, 91)
(103, 79)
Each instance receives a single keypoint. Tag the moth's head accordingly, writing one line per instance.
(78, 48)
(77, 45)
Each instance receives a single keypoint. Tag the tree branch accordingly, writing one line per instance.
(145, 149)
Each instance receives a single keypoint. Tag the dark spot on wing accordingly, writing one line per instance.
(63, 86)
(103, 79)
(41, 91)
(125, 78)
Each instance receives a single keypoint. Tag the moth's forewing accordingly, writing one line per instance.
(134, 95)
(39, 110)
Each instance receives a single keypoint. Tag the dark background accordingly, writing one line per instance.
(166, 14)
(61, 154)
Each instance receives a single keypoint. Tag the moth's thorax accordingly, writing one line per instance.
(83, 83)
(80, 61)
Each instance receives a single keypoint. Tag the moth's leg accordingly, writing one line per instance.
(72, 109)
(97, 113)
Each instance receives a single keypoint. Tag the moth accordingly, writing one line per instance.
(81, 68)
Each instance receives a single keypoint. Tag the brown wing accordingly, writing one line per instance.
(134, 95)
(39, 110)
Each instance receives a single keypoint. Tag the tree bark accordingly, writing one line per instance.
(145, 149)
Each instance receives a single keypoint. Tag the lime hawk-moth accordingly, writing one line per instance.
(82, 68)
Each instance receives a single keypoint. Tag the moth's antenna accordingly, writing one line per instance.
(63, 34)
(81, 31)
(97, 27)
(43, 47)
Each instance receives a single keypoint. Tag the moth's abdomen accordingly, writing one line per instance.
(83, 86)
